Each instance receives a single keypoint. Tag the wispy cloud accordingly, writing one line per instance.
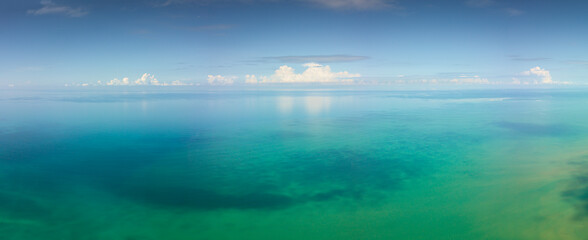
(30, 69)
(214, 27)
(527, 59)
(314, 73)
(577, 62)
(355, 4)
(510, 11)
(318, 58)
(330, 4)
(479, 3)
(461, 79)
(48, 7)
(166, 3)
(513, 12)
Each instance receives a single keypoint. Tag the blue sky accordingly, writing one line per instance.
(220, 42)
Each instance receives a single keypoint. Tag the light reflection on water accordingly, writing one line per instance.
(285, 104)
(321, 165)
(317, 104)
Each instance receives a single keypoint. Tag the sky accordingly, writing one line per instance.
(257, 42)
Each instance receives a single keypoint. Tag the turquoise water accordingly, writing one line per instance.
(294, 165)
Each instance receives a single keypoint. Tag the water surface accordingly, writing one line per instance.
(294, 165)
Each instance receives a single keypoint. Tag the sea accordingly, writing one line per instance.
(152, 164)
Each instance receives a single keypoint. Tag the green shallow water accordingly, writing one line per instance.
(294, 165)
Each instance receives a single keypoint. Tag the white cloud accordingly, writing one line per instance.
(221, 80)
(116, 82)
(146, 79)
(314, 73)
(250, 79)
(464, 79)
(177, 83)
(51, 8)
(541, 73)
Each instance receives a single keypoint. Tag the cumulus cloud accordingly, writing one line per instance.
(48, 7)
(252, 79)
(314, 73)
(146, 79)
(221, 80)
(116, 82)
(537, 72)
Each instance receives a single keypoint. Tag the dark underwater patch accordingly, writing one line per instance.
(577, 191)
(202, 199)
(131, 165)
(317, 176)
(350, 169)
(28, 144)
(15, 206)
